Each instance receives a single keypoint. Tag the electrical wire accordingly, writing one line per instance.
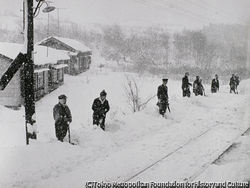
(186, 15)
(235, 18)
(181, 11)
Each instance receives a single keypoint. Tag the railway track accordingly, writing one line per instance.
(204, 166)
(221, 153)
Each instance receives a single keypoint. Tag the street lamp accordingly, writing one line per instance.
(28, 73)
(48, 9)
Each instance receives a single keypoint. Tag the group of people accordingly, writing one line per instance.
(100, 106)
(63, 117)
(198, 89)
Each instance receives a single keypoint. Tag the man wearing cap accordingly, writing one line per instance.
(198, 87)
(215, 84)
(237, 82)
(232, 84)
(62, 117)
(100, 107)
(162, 94)
(186, 85)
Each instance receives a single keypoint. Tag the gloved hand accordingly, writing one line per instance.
(68, 120)
(167, 103)
(102, 112)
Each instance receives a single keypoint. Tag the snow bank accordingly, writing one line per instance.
(131, 142)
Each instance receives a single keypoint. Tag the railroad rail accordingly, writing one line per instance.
(205, 166)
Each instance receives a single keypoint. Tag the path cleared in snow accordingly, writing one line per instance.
(132, 142)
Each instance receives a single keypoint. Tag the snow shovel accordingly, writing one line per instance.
(69, 135)
(100, 123)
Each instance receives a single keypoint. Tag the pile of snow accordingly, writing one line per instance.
(131, 142)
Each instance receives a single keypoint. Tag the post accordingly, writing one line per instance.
(248, 54)
(28, 74)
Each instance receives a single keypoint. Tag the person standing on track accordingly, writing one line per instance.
(62, 117)
(100, 107)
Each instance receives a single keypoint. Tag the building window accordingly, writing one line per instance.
(39, 80)
(60, 74)
(54, 76)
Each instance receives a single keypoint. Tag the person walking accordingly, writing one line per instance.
(186, 85)
(62, 117)
(215, 86)
(162, 94)
(100, 108)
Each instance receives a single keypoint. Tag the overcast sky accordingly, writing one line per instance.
(174, 13)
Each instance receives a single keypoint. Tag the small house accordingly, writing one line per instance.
(80, 55)
(49, 67)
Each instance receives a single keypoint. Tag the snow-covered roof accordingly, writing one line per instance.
(70, 42)
(59, 66)
(42, 54)
(10, 50)
(40, 70)
(46, 55)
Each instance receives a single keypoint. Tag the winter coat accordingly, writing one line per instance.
(232, 81)
(162, 92)
(237, 80)
(185, 83)
(198, 87)
(61, 114)
(100, 107)
(215, 85)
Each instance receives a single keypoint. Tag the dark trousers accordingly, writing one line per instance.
(99, 120)
(186, 93)
(198, 92)
(214, 90)
(61, 130)
(232, 88)
(162, 107)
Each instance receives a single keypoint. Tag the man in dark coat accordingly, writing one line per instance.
(100, 107)
(215, 84)
(198, 87)
(162, 94)
(62, 117)
(232, 83)
(186, 85)
(237, 82)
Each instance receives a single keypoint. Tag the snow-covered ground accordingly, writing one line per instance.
(191, 135)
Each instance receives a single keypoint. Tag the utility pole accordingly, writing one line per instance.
(28, 73)
(58, 22)
(248, 53)
(26, 58)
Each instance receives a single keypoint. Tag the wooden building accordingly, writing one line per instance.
(49, 67)
(80, 55)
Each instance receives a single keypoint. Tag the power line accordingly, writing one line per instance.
(186, 15)
(183, 10)
(235, 18)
